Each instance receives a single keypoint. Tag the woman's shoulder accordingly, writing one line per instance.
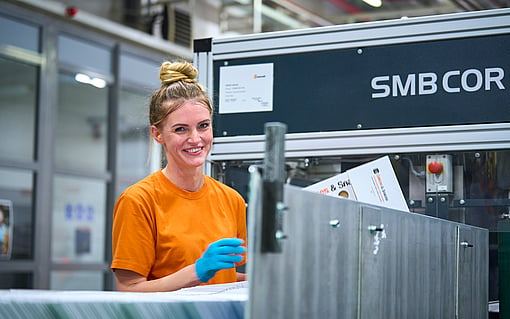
(223, 188)
(147, 185)
(217, 184)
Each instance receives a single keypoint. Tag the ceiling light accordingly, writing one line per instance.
(98, 83)
(373, 3)
(83, 78)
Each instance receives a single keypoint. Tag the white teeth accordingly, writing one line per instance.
(194, 150)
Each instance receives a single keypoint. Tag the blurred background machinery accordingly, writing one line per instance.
(180, 21)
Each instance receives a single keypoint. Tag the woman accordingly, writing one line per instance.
(177, 227)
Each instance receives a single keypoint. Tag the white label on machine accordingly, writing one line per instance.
(246, 88)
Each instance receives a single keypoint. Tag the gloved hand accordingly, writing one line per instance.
(221, 254)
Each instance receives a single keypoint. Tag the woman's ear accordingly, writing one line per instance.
(156, 135)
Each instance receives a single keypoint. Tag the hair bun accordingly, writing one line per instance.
(178, 71)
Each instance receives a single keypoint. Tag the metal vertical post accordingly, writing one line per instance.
(257, 16)
(503, 265)
(272, 180)
(45, 146)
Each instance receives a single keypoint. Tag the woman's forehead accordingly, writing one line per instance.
(190, 112)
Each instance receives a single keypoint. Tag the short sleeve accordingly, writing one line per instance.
(133, 235)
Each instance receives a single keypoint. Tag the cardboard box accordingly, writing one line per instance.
(373, 182)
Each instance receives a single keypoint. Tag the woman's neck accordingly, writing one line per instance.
(192, 180)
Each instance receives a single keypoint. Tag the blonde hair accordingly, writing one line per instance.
(178, 85)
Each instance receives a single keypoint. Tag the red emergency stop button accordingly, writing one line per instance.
(435, 167)
(71, 11)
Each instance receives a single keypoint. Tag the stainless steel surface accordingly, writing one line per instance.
(377, 263)
(378, 141)
(273, 177)
(274, 159)
(473, 269)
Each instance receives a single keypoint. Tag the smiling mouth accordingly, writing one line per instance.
(194, 150)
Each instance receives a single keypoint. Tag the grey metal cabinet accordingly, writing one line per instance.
(473, 268)
(407, 265)
(345, 259)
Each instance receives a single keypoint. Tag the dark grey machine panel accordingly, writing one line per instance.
(446, 82)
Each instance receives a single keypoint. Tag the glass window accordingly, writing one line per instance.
(18, 91)
(19, 34)
(134, 138)
(85, 54)
(78, 234)
(15, 280)
(81, 132)
(135, 70)
(76, 280)
(16, 187)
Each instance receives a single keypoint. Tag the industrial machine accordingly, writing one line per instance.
(431, 93)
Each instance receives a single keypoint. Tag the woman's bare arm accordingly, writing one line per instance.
(241, 276)
(131, 281)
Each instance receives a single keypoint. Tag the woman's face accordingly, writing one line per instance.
(186, 134)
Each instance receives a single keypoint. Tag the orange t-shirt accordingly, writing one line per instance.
(159, 228)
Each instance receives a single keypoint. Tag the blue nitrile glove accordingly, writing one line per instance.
(221, 254)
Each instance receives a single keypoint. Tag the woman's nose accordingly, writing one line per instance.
(194, 136)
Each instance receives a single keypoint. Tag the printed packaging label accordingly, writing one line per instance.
(373, 182)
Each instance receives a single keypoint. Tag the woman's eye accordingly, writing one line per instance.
(204, 125)
(179, 129)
